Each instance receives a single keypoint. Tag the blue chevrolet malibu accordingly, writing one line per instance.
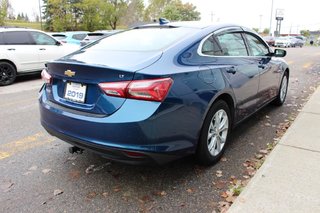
(156, 93)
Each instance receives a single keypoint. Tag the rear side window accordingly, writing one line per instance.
(210, 47)
(256, 46)
(145, 39)
(232, 44)
(17, 38)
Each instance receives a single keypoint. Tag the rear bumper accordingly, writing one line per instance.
(135, 127)
(114, 154)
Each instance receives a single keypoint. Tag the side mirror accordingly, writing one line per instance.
(58, 43)
(279, 53)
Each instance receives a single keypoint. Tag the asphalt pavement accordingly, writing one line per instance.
(38, 174)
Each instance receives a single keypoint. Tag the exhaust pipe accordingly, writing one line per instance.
(75, 149)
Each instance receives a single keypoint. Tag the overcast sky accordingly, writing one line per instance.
(251, 13)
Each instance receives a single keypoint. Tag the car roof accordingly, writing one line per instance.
(191, 24)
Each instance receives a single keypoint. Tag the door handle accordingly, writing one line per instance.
(232, 70)
(42, 49)
(11, 49)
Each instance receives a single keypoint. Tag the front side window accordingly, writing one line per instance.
(256, 46)
(232, 44)
(17, 38)
(42, 39)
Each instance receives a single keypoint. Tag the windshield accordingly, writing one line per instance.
(145, 39)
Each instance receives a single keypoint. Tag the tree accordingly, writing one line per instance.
(91, 18)
(255, 29)
(177, 11)
(114, 10)
(155, 9)
(266, 31)
(305, 33)
(134, 13)
(4, 7)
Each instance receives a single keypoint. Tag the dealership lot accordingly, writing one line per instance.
(38, 174)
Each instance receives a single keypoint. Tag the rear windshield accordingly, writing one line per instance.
(146, 39)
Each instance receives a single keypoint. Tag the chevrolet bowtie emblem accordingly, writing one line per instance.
(69, 73)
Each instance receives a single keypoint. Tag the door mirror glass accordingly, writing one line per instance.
(280, 53)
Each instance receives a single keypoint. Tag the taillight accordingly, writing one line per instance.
(151, 90)
(46, 77)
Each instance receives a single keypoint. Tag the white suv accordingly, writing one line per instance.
(24, 51)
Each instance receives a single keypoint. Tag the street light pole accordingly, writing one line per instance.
(270, 30)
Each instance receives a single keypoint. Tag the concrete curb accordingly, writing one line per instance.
(288, 181)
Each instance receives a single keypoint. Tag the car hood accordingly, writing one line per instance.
(123, 60)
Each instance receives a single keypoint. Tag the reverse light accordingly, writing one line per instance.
(150, 90)
(46, 77)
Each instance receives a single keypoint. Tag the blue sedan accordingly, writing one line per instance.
(159, 92)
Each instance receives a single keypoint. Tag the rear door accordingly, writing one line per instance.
(21, 49)
(46, 47)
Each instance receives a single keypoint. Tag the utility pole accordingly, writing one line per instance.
(40, 16)
(270, 28)
(212, 14)
(260, 28)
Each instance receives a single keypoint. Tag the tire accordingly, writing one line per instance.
(283, 90)
(213, 141)
(8, 73)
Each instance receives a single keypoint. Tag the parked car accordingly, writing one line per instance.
(159, 92)
(270, 40)
(59, 36)
(298, 42)
(23, 51)
(91, 37)
(70, 37)
(284, 41)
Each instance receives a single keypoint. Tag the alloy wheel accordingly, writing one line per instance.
(284, 88)
(218, 132)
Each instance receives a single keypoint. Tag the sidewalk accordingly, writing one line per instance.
(289, 180)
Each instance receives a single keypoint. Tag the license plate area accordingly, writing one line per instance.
(75, 92)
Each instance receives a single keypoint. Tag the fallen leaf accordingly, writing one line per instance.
(220, 184)
(219, 173)
(6, 186)
(91, 195)
(33, 168)
(57, 192)
(89, 170)
(46, 171)
(145, 198)
(263, 151)
(224, 194)
(163, 193)
(230, 199)
(105, 194)
(246, 176)
(190, 190)
(223, 159)
(74, 174)
(258, 156)
(117, 189)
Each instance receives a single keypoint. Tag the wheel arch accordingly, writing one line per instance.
(10, 62)
(226, 97)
